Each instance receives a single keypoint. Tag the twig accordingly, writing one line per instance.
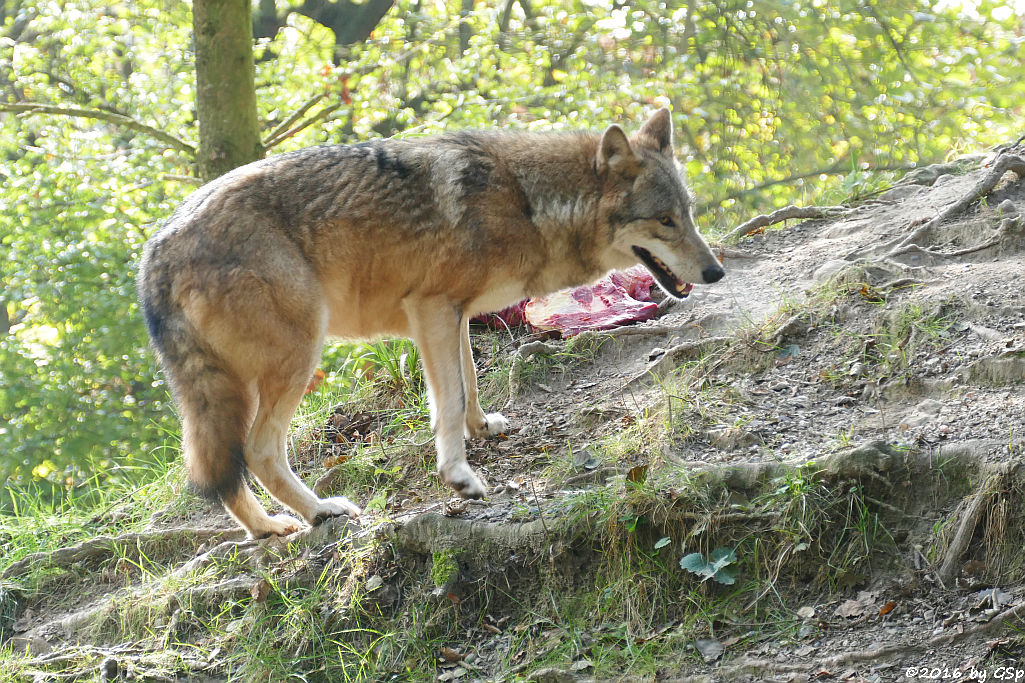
(540, 512)
(292, 118)
(322, 114)
(100, 115)
(782, 215)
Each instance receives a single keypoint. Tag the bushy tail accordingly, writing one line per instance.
(216, 415)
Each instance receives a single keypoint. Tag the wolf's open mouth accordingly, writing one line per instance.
(665, 277)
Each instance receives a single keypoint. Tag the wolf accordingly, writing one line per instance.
(400, 238)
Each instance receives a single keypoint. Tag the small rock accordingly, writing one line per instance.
(109, 669)
(34, 646)
(900, 193)
(1007, 208)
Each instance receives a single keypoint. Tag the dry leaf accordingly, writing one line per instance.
(315, 381)
(637, 474)
(450, 655)
(260, 590)
(850, 608)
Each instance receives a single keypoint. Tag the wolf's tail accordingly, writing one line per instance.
(216, 415)
(216, 410)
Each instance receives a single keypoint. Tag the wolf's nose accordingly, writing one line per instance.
(712, 274)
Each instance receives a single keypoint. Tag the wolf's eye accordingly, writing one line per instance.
(667, 220)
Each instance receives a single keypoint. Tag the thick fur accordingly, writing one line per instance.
(388, 238)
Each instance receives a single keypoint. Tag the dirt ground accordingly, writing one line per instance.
(887, 327)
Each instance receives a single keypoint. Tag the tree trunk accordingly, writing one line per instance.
(229, 133)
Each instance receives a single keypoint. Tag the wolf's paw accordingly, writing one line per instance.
(334, 507)
(278, 525)
(493, 424)
(464, 482)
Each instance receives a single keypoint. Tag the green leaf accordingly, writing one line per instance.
(662, 542)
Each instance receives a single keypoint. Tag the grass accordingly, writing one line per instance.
(608, 594)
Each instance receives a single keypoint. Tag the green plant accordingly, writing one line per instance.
(718, 566)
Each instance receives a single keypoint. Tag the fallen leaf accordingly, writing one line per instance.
(450, 655)
(315, 381)
(806, 612)
(637, 474)
(850, 608)
(260, 590)
(374, 582)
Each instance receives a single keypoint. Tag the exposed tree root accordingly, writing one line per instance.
(1006, 226)
(780, 215)
(1004, 163)
(678, 354)
(520, 356)
(131, 545)
(973, 509)
(488, 543)
(875, 655)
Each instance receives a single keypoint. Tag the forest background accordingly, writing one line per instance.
(773, 103)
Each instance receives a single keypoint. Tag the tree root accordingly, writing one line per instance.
(973, 509)
(1004, 163)
(761, 666)
(780, 215)
(521, 355)
(102, 547)
(676, 355)
(489, 543)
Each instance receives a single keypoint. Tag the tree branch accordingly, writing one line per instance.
(100, 115)
(783, 214)
(281, 137)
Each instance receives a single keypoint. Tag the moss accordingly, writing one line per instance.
(445, 566)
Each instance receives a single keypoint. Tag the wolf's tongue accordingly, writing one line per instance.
(660, 270)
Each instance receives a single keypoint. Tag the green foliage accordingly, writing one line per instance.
(773, 103)
(717, 566)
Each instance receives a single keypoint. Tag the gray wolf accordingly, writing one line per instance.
(389, 238)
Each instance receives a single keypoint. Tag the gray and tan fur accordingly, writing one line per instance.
(389, 238)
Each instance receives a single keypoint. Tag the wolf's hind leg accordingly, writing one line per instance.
(436, 325)
(266, 455)
(216, 410)
(478, 423)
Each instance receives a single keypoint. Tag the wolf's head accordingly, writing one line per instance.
(648, 209)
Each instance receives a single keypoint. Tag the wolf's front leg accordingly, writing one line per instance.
(435, 325)
(478, 423)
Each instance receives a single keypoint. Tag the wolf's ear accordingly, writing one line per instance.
(659, 128)
(615, 153)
